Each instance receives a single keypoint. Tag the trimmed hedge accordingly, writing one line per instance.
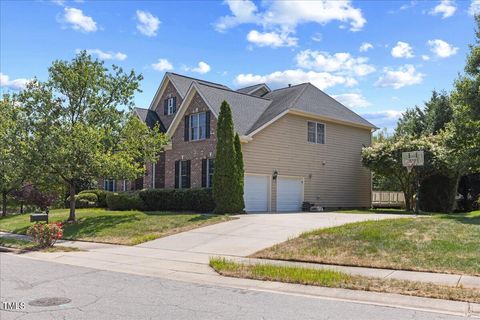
(84, 200)
(101, 195)
(124, 201)
(195, 199)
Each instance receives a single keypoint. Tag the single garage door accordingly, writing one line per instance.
(256, 193)
(289, 194)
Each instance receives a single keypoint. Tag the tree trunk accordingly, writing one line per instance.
(4, 204)
(453, 193)
(71, 217)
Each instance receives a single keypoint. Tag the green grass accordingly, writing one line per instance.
(118, 227)
(440, 243)
(26, 245)
(334, 279)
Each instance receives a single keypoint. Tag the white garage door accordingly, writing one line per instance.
(256, 193)
(289, 194)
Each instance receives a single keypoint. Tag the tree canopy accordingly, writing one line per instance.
(78, 129)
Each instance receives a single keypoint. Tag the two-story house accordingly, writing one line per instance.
(298, 143)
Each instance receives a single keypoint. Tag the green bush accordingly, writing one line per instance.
(84, 200)
(101, 195)
(124, 201)
(195, 199)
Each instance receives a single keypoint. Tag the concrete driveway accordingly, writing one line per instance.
(186, 255)
(253, 232)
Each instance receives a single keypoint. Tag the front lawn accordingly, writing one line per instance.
(119, 227)
(335, 279)
(440, 243)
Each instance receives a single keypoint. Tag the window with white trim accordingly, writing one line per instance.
(124, 185)
(171, 105)
(109, 185)
(316, 132)
(210, 168)
(198, 126)
(184, 174)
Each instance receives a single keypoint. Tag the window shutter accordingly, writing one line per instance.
(188, 173)
(174, 104)
(204, 173)
(165, 106)
(207, 124)
(187, 128)
(177, 172)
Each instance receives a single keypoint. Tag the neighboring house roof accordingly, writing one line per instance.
(150, 117)
(183, 83)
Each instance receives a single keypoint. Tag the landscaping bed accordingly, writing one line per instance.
(440, 243)
(117, 227)
(25, 245)
(334, 279)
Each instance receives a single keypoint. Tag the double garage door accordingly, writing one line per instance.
(257, 193)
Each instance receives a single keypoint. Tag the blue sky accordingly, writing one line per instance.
(377, 57)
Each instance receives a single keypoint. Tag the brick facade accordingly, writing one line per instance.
(194, 151)
(170, 91)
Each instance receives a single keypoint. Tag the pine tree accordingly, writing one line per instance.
(224, 177)
(240, 174)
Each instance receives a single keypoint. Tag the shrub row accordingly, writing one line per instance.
(84, 200)
(195, 199)
(124, 201)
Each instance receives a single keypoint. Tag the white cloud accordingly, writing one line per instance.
(271, 39)
(106, 55)
(78, 21)
(201, 68)
(317, 37)
(425, 57)
(383, 119)
(13, 84)
(321, 80)
(474, 7)
(365, 47)
(446, 8)
(283, 17)
(442, 48)
(352, 100)
(162, 65)
(402, 50)
(401, 77)
(341, 62)
(147, 23)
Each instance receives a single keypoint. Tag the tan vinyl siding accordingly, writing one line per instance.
(333, 173)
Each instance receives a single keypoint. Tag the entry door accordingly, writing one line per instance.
(289, 194)
(255, 193)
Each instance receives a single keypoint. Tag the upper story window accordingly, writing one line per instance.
(170, 105)
(316, 132)
(197, 126)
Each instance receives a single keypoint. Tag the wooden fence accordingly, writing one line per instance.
(388, 199)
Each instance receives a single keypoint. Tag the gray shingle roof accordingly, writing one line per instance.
(251, 88)
(183, 83)
(251, 112)
(308, 98)
(150, 117)
(246, 109)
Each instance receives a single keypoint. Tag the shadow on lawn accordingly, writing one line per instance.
(90, 226)
(464, 218)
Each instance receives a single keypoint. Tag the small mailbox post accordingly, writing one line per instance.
(39, 217)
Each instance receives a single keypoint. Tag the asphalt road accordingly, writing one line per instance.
(97, 294)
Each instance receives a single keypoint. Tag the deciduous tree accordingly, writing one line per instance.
(78, 129)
